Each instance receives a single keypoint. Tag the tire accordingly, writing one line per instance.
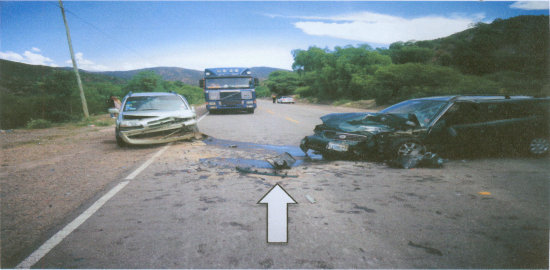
(538, 146)
(406, 147)
(250, 111)
(119, 141)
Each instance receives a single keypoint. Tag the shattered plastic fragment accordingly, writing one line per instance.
(310, 199)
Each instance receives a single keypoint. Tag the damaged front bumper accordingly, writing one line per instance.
(160, 131)
(329, 142)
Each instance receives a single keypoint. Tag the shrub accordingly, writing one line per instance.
(38, 123)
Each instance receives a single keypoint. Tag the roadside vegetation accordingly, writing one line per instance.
(37, 96)
(507, 57)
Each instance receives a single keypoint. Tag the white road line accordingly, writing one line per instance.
(59, 236)
(203, 116)
(146, 164)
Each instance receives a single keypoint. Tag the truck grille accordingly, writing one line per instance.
(230, 98)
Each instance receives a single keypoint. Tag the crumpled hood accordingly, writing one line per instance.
(156, 114)
(365, 122)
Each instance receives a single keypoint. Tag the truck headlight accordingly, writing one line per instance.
(214, 95)
(246, 95)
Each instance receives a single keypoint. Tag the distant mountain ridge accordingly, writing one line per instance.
(187, 76)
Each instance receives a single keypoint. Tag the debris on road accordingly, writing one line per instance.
(427, 160)
(250, 171)
(310, 199)
(283, 161)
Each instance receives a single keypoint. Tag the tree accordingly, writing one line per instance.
(283, 82)
(146, 81)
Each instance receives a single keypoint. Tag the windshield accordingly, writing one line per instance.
(228, 83)
(425, 110)
(154, 103)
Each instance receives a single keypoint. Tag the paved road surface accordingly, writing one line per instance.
(191, 209)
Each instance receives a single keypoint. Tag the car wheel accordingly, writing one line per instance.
(250, 110)
(407, 147)
(539, 146)
(119, 141)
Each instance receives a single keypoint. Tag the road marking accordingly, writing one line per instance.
(203, 116)
(292, 120)
(146, 164)
(269, 111)
(59, 236)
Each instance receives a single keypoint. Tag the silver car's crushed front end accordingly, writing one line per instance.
(152, 130)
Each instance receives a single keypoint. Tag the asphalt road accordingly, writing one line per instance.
(190, 208)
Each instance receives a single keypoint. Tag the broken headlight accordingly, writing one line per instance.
(130, 124)
(344, 136)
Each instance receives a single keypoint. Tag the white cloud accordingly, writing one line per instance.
(385, 29)
(214, 55)
(530, 5)
(86, 64)
(28, 57)
(11, 56)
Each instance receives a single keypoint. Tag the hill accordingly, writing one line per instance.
(518, 44)
(188, 76)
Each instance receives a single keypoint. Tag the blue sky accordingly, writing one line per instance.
(125, 35)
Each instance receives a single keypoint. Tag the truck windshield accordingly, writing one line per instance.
(154, 103)
(228, 83)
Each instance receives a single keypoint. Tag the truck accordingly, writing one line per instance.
(231, 88)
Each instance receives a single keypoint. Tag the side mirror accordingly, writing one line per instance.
(193, 108)
(452, 132)
(201, 83)
(113, 110)
(256, 82)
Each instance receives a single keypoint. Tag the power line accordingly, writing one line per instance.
(107, 35)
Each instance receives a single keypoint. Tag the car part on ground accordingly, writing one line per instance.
(283, 161)
(427, 160)
(155, 117)
(268, 173)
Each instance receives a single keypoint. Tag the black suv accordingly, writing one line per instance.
(437, 124)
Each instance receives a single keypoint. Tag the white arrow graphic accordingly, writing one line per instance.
(277, 214)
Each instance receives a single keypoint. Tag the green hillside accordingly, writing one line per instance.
(504, 57)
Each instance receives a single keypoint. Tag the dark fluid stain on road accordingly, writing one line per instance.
(294, 151)
(232, 162)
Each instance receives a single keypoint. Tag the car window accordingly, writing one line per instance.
(465, 113)
(154, 103)
(425, 110)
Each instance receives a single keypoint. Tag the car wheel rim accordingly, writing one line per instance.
(410, 149)
(539, 146)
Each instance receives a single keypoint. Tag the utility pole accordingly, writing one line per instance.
(82, 97)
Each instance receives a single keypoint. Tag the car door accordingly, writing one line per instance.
(461, 127)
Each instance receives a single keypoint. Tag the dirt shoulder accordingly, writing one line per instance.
(46, 174)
